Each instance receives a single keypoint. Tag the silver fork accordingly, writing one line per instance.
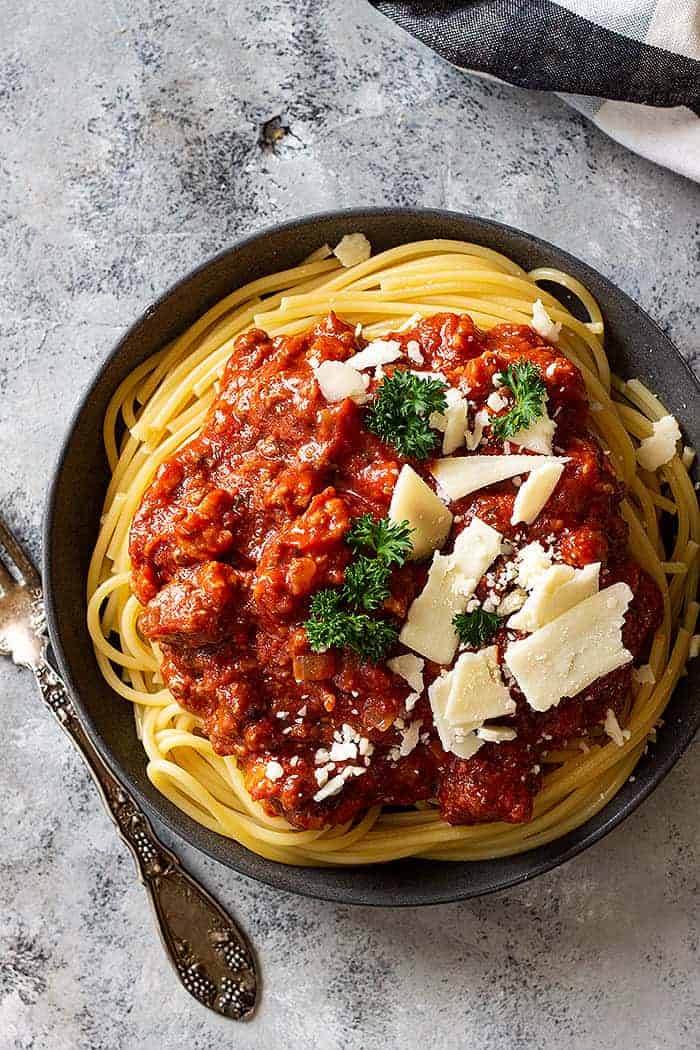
(207, 949)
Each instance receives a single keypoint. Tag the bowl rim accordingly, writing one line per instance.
(290, 878)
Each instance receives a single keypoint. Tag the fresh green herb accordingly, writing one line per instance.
(331, 626)
(476, 628)
(389, 540)
(525, 381)
(366, 583)
(400, 412)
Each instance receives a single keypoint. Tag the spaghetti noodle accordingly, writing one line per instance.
(164, 403)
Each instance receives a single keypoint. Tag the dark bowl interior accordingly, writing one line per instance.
(636, 347)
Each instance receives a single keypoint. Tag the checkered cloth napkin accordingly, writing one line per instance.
(630, 66)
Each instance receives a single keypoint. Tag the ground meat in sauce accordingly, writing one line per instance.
(244, 524)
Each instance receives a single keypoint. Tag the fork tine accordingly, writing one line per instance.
(26, 570)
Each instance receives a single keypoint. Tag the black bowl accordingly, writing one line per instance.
(636, 347)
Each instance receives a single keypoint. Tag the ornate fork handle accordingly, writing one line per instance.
(208, 951)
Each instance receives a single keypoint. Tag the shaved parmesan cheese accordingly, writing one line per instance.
(338, 380)
(415, 502)
(410, 323)
(456, 416)
(556, 590)
(409, 739)
(354, 248)
(613, 729)
(658, 449)
(496, 734)
(475, 549)
(438, 420)
(460, 741)
(644, 675)
(273, 770)
(477, 691)
(543, 323)
(452, 422)
(496, 402)
(539, 436)
(414, 352)
(473, 437)
(569, 653)
(410, 668)
(428, 627)
(512, 602)
(460, 475)
(452, 579)
(411, 701)
(534, 494)
(378, 352)
(532, 561)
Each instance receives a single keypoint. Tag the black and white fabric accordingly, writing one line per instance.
(630, 66)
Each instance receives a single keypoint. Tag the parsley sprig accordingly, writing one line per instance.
(400, 412)
(333, 627)
(476, 628)
(366, 583)
(335, 622)
(525, 382)
(389, 540)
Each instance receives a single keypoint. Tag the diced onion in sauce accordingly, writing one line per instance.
(312, 667)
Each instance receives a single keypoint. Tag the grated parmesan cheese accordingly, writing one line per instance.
(343, 750)
(531, 562)
(543, 323)
(336, 785)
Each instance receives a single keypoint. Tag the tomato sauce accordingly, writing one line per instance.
(245, 523)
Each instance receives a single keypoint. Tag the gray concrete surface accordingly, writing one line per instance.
(129, 151)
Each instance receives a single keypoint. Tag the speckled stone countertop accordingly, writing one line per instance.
(130, 150)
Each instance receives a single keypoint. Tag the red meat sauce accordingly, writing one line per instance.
(242, 525)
